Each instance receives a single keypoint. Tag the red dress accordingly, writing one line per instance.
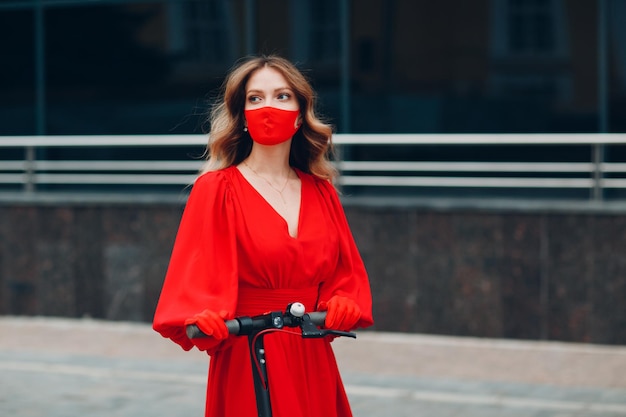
(233, 252)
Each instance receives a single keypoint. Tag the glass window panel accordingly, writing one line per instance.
(544, 33)
(517, 33)
(17, 73)
(502, 66)
(136, 68)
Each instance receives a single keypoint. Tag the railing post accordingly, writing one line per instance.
(338, 156)
(29, 169)
(598, 174)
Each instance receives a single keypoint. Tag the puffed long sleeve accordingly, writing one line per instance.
(350, 278)
(202, 273)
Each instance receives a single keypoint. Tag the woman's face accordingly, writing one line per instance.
(268, 87)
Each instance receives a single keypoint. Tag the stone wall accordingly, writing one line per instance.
(555, 276)
(535, 274)
(74, 261)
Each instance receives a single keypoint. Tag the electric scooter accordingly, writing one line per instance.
(257, 327)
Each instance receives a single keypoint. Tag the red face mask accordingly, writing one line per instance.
(271, 126)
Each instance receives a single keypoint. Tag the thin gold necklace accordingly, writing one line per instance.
(279, 191)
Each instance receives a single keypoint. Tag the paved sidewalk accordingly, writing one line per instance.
(64, 368)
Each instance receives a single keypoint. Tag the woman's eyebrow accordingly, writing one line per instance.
(257, 91)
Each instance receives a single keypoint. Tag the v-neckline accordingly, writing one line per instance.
(273, 209)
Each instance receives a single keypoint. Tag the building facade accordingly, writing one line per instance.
(380, 66)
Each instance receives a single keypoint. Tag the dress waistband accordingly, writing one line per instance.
(253, 301)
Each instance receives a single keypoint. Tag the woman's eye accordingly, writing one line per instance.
(284, 96)
(254, 99)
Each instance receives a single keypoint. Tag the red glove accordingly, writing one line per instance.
(342, 313)
(211, 323)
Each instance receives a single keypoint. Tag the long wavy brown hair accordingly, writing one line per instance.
(311, 147)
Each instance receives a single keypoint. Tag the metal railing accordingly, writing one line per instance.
(32, 163)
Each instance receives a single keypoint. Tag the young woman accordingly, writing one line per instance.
(264, 227)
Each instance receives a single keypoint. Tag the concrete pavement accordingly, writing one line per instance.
(63, 368)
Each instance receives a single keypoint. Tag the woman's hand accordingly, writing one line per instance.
(211, 323)
(342, 313)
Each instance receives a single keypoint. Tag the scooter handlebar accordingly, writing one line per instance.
(234, 325)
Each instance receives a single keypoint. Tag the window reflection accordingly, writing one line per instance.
(413, 66)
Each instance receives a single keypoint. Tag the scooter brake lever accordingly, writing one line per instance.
(338, 333)
(310, 331)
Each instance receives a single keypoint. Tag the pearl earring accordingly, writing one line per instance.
(245, 129)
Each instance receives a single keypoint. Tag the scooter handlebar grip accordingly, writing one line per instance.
(317, 317)
(233, 326)
(194, 331)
